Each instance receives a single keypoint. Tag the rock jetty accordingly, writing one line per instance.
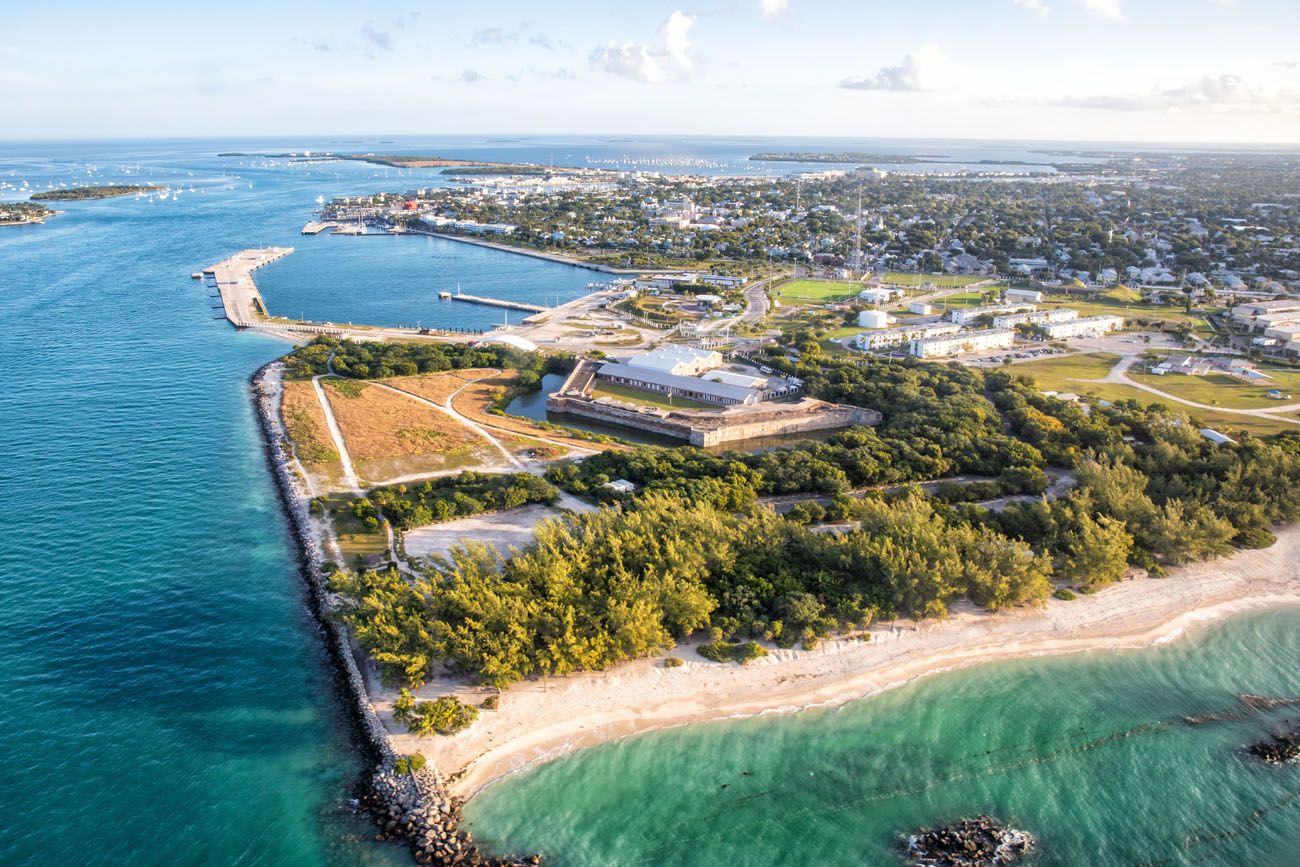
(1277, 749)
(978, 842)
(416, 808)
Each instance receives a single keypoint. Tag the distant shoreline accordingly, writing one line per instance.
(78, 194)
(536, 254)
(540, 721)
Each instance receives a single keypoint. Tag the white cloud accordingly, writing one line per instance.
(1224, 94)
(1034, 6)
(773, 8)
(672, 60)
(925, 69)
(1112, 10)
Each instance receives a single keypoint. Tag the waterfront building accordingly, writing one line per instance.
(962, 343)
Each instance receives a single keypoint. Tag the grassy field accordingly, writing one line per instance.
(818, 291)
(943, 281)
(1061, 374)
(645, 398)
(1105, 307)
(354, 537)
(437, 387)
(389, 434)
(1222, 390)
(961, 299)
(304, 420)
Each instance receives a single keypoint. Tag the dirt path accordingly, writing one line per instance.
(449, 410)
(336, 434)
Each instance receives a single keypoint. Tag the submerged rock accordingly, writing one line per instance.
(1277, 749)
(978, 842)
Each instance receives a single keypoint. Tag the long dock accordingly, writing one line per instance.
(234, 279)
(498, 302)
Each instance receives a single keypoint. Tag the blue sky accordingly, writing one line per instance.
(1155, 70)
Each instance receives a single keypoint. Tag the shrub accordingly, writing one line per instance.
(673, 662)
(445, 716)
(727, 651)
(409, 764)
(1064, 593)
(492, 702)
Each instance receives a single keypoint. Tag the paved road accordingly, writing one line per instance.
(1119, 375)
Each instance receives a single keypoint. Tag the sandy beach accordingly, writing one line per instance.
(540, 721)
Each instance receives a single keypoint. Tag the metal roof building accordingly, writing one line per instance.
(702, 390)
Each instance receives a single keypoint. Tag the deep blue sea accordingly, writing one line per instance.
(163, 695)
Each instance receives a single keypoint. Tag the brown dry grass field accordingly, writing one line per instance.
(437, 387)
(304, 420)
(389, 435)
(474, 401)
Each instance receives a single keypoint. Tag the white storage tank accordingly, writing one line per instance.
(873, 319)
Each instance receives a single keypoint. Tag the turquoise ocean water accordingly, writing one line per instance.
(163, 697)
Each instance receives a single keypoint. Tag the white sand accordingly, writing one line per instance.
(540, 721)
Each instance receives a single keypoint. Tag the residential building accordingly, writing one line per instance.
(1039, 317)
(905, 334)
(967, 315)
(961, 343)
(1088, 326)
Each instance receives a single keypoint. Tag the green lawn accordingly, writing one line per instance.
(1105, 307)
(354, 537)
(645, 398)
(961, 299)
(1221, 390)
(943, 281)
(1059, 374)
(818, 291)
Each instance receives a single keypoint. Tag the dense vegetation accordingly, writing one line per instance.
(382, 360)
(72, 194)
(691, 551)
(22, 212)
(470, 493)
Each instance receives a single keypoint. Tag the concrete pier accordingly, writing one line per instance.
(497, 302)
(234, 278)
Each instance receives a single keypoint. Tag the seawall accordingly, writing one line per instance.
(416, 808)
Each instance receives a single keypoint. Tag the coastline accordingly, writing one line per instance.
(538, 254)
(415, 807)
(538, 722)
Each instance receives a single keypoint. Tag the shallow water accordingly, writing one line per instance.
(163, 698)
(1089, 753)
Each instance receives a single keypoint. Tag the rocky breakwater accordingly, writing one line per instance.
(414, 807)
(1278, 749)
(978, 842)
(417, 808)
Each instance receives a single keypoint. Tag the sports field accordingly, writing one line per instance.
(818, 291)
